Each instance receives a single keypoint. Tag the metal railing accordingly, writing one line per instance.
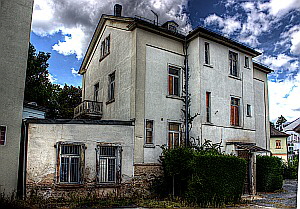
(88, 109)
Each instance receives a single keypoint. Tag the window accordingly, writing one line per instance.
(248, 110)
(208, 110)
(174, 135)
(235, 112)
(111, 86)
(149, 132)
(71, 163)
(233, 57)
(247, 62)
(278, 144)
(109, 166)
(174, 78)
(105, 47)
(206, 53)
(96, 92)
(2, 135)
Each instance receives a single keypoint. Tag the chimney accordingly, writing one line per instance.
(118, 10)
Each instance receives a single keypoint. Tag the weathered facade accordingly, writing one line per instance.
(135, 70)
(15, 23)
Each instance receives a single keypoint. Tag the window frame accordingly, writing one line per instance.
(235, 120)
(81, 162)
(105, 47)
(278, 144)
(4, 136)
(208, 107)
(173, 132)
(117, 167)
(248, 110)
(96, 92)
(111, 92)
(207, 53)
(232, 62)
(247, 62)
(149, 130)
(172, 79)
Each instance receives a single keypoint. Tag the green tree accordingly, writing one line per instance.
(38, 87)
(279, 123)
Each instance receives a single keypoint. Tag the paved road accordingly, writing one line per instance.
(285, 199)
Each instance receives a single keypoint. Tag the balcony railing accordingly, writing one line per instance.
(88, 109)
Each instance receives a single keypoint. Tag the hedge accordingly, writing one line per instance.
(269, 170)
(203, 177)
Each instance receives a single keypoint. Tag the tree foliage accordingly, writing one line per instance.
(60, 101)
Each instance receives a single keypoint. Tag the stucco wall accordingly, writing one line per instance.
(281, 152)
(15, 23)
(42, 155)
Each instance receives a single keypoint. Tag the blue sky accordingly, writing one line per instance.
(65, 27)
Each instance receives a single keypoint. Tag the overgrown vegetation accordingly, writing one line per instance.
(203, 177)
(269, 170)
(291, 168)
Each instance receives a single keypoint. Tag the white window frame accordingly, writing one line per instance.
(207, 53)
(173, 133)
(149, 129)
(231, 62)
(103, 162)
(179, 77)
(69, 156)
(5, 133)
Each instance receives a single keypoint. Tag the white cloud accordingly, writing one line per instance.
(74, 72)
(280, 8)
(282, 60)
(292, 37)
(51, 78)
(77, 20)
(284, 97)
(228, 25)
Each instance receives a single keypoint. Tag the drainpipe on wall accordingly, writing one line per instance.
(187, 135)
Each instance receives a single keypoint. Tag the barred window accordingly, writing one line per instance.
(71, 163)
(109, 166)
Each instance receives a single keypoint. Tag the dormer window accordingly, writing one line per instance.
(171, 25)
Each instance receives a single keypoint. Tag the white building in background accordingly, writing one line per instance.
(293, 129)
(132, 100)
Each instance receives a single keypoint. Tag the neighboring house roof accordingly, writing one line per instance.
(276, 133)
(292, 125)
(146, 25)
(35, 106)
(262, 67)
(297, 129)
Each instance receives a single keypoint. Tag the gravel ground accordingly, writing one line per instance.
(283, 199)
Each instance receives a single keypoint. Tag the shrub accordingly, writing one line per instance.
(269, 172)
(291, 169)
(203, 177)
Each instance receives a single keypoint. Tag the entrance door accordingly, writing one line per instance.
(246, 155)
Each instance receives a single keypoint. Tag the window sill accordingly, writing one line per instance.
(174, 97)
(149, 146)
(249, 116)
(208, 123)
(237, 127)
(102, 58)
(247, 67)
(110, 101)
(234, 77)
(208, 65)
(104, 185)
(69, 185)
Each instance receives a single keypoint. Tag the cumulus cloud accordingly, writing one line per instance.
(227, 25)
(51, 78)
(74, 72)
(283, 97)
(280, 8)
(77, 20)
(292, 38)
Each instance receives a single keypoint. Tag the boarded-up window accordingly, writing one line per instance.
(2, 135)
(174, 135)
(233, 63)
(70, 163)
(235, 112)
(109, 164)
(208, 111)
(149, 132)
(278, 144)
(174, 81)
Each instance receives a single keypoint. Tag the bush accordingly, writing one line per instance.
(269, 172)
(291, 169)
(203, 177)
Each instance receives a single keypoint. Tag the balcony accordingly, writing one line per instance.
(88, 109)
